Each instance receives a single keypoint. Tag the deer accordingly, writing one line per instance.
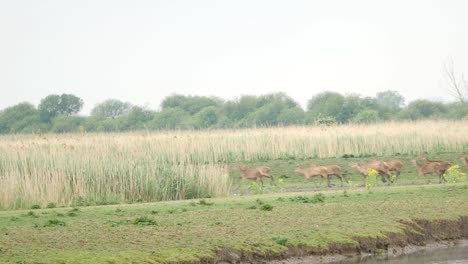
(394, 166)
(256, 174)
(432, 167)
(322, 171)
(378, 165)
(464, 160)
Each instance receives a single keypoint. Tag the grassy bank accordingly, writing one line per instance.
(261, 226)
(120, 168)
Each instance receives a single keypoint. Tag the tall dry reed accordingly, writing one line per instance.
(114, 168)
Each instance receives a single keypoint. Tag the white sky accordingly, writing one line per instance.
(141, 51)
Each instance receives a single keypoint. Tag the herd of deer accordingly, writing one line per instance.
(384, 168)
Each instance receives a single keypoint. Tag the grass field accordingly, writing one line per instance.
(99, 169)
(198, 229)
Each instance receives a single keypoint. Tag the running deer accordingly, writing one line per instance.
(394, 166)
(378, 165)
(256, 174)
(432, 167)
(322, 171)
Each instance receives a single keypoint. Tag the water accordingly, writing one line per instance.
(452, 255)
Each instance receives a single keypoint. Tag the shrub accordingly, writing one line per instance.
(281, 241)
(454, 175)
(35, 206)
(266, 207)
(51, 205)
(204, 202)
(32, 214)
(72, 214)
(144, 220)
(371, 180)
(54, 222)
(317, 198)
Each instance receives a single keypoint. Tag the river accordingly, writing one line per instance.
(452, 255)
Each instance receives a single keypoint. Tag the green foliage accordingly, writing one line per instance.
(454, 175)
(111, 108)
(35, 206)
(423, 109)
(371, 180)
(207, 117)
(281, 241)
(366, 116)
(266, 207)
(291, 116)
(32, 214)
(54, 105)
(204, 202)
(72, 214)
(391, 100)
(67, 124)
(317, 198)
(51, 205)
(19, 118)
(55, 112)
(144, 220)
(54, 222)
(171, 118)
(190, 104)
(256, 188)
(328, 104)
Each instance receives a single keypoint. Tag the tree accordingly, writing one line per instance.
(458, 86)
(19, 118)
(391, 100)
(190, 104)
(171, 118)
(326, 104)
(420, 109)
(366, 116)
(67, 124)
(137, 117)
(207, 117)
(54, 105)
(239, 109)
(289, 116)
(110, 108)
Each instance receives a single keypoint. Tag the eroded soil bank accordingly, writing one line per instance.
(417, 235)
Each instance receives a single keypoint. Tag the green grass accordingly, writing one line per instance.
(191, 230)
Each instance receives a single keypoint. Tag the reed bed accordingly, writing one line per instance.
(73, 169)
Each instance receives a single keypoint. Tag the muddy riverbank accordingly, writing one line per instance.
(417, 235)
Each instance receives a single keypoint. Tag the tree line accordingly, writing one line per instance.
(59, 113)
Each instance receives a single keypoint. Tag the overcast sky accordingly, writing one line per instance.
(141, 51)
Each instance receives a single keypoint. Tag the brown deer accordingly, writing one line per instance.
(334, 170)
(432, 167)
(394, 166)
(464, 160)
(378, 165)
(256, 174)
(322, 171)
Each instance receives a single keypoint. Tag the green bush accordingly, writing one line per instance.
(371, 180)
(54, 222)
(454, 175)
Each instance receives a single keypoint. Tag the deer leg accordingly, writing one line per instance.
(272, 181)
(328, 181)
(341, 179)
(382, 176)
